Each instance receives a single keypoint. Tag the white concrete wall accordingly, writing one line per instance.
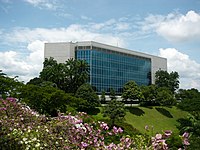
(61, 52)
(158, 63)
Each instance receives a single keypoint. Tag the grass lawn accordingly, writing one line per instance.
(161, 118)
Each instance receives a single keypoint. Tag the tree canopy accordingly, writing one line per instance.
(86, 92)
(115, 110)
(165, 97)
(131, 91)
(9, 86)
(68, 76)
(169, 80)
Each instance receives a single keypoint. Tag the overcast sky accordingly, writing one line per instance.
(167, 28)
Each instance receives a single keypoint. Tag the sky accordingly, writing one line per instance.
(169, 29)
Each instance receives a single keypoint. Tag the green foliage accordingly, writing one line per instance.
(194, 143)
(67, 76)
(149, 94)
(112, 94)
(50, 100)
(131, 91)
(191, 124)
(103, 97)
(128, 129)
(189, 99)
(9, 86)
(86, 92)
(22, 128)
(45, 100)
(190, 104)
(174, 141)
(165, 97)
(169, 80)
(115, 110)
(35, 81)
(183, 94)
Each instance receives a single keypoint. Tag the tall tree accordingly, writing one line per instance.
(169, 80)
(77, 73)
(103, 97)
(183, 94)
(67, 76)
(112, 94)
(131, 92)
(149, 93)
(165, 97)
(86, 92)
(9, 86)
(115, 110)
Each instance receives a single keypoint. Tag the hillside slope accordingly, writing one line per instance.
(160, 118)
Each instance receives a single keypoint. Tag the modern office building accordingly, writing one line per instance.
(110, 66)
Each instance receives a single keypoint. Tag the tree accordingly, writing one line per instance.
(53, 72)
(131, 92)
(68, 76)
(45, 100)
(115, 110)
(103, 97)
(86, 92)
(35, 81)
(49, 100)
(112, 94)
(169, 80)
(165, 97)
(149, 94)
(77, 74)
(189, 99)
(183, 94)
(9, 86)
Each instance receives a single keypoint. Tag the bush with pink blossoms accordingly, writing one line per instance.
(23, 128)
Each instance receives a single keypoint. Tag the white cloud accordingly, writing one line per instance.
(48, 4)
(188, 69)
(174, 27)
(181, 28)
(15, 65)
(85, 18)
(72, 33)
(28, 66)
(122, 26)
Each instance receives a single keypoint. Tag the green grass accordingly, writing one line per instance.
(161, 118)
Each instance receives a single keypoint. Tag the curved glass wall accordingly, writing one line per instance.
(111, 69)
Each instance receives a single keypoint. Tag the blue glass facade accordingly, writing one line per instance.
(111, 69)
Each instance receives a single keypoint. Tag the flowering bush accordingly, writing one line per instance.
(23, 128)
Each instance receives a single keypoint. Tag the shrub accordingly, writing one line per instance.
(23, 128)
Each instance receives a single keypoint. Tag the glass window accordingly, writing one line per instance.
(112, 69)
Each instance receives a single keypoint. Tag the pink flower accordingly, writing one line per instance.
(185, 138)
(3, 108)
(104, 126)
(158, 136)
(120, 130)
(186, 142)
(115, 130)
(167, 133)
(84, 145)
(11, 99)
(185, 135)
